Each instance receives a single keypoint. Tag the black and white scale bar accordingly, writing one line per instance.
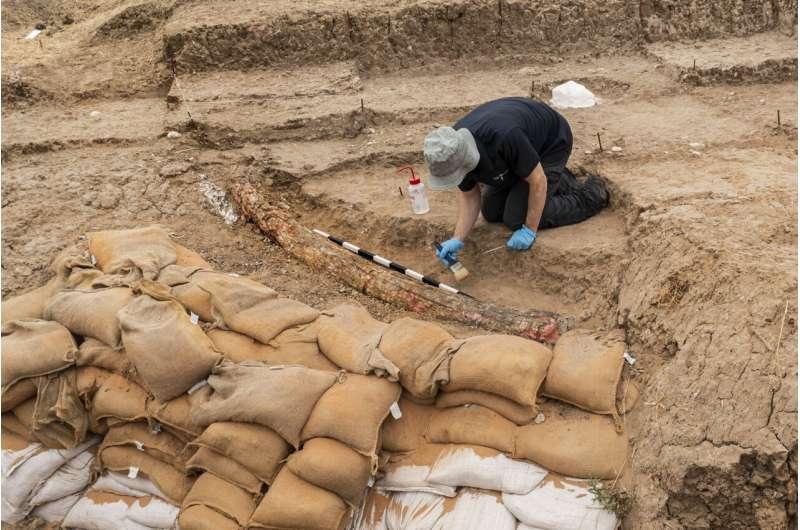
(389, 264)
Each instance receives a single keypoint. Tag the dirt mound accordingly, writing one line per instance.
(133, 20)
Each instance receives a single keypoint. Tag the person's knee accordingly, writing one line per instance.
(493, 213)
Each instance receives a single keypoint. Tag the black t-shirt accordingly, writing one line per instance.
(513, 135)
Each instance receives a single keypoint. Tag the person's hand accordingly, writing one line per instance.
(521, 239)
(449, 251)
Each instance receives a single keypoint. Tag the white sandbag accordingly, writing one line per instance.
(55, 511)
(476, 510)
(105, 511)
(413, 510)
(409, 472)
(560, 504)
(122, 484)
(412, 478)
(72, 477)
(26, 470)
(481, 467)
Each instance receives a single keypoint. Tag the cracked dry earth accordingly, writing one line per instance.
(695, 259)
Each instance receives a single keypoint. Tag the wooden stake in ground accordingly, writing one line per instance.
(380, 283)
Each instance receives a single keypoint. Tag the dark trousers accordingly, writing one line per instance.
(569, 201)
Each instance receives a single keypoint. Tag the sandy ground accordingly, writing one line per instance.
(695, 259)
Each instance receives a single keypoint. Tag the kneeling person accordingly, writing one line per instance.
(516, 149)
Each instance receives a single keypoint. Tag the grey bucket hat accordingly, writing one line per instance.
(450, 155)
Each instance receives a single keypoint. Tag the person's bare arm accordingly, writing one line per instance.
(536, 197)
(469, 206)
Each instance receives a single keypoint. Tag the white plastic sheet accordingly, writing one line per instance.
(560, 504)
(490, 470)
(572, 95)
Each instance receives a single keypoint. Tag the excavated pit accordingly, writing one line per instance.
(695, 259)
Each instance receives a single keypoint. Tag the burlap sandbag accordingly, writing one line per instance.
(59, 406)
(89, 379)
(293, 346)
(92, 352)
(259, 449)
(11, 423)
(226, 498)
(200, 517)
(575, 444)
(472, 425)
(209, 461)
(278, 397)
(139, 435)
(51, 435)
(70, 268)
(133, 254)
(408, 432)
(176, 415)
(35, 347)
(333, 466)
(293, 503)
(349, 336)
(627, 396)
(508, 366)
(18, 393)
(192, 286)
(174, 484)
(119, 399)
(11, 441)
(519, 414)
(257, 313)
(170, 353)
(421, 351)
(352, 412)
(90, 312)
(186, 257)
(586, 369)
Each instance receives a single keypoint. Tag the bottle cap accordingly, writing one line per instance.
(413, 179)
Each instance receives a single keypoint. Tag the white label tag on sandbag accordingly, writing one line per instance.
(630, 359)
(196, 386)
(194, 318)
(94, 260)
(233, 274)
(395, 410)
(139, 445)
(133, 472)
(155, 428)
(371, 481)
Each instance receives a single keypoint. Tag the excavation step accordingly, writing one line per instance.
(760, 58)
(222, 35)
(114, 121)
(318, 102)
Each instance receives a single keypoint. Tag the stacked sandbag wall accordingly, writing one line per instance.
(205, 397)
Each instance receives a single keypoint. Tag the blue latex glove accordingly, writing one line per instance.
(448, 254)
(521, 239)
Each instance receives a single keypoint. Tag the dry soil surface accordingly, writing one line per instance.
(322, 102)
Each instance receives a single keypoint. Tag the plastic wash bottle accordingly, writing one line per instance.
(416, 192)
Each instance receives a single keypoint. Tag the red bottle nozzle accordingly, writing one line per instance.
(414, 179)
